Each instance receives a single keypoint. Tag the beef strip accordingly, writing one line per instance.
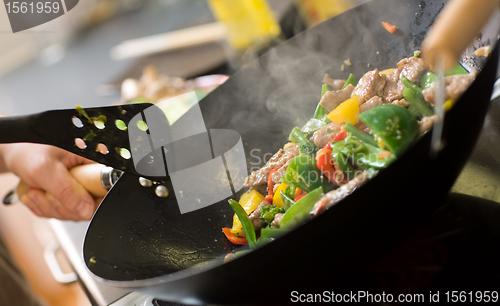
(257, 222)
(336, 84)
(401, 102)
(259, 177)
(277, 220)
(334, 196)
(373, 102)
(332, 99)
(412, 68)
(322, 136)
(371, 84)
(426, 123)
(455, 86)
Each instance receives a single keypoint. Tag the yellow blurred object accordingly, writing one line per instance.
(316, 11)
(448, 104)
(277, 195)
(348, 111)
(249, 22)
(387, 71)
(249, 201)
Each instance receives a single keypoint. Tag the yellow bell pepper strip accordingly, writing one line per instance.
(326, 164)
(348, 111)
(299, 212)
(245, 222)
(277, 195)
(233, 238)
(249, 202)
(387, 71)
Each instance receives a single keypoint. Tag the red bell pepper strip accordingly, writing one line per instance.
(326, 163)
(269, 199)
(300, 196)
(270, 183)
(340, 136)
(232, 237)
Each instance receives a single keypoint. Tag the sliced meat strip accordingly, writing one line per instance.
(412, 68)
(455, 86)
(322, 136)
(371, 84)
(259, 177)
(426, 123)
(332, 99)
(336, 84)
(394, 87)
(373, 102)
(334, 196)
(401, 102)
(277, 220)
(257, 222)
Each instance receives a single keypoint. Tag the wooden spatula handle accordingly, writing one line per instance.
(454, 29)
(89, 176)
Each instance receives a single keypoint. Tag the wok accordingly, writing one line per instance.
(139, 241)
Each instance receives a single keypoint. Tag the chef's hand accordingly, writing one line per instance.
(54, 193)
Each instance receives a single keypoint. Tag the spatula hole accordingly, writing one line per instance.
(80, 143)
(143, 126)
(77, 122)
(123, 153)
(100, 125)
(101, 148)
(120, 124)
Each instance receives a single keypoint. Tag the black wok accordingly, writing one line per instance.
(139, 241)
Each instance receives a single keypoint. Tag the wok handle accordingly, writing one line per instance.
(454, 29)
(89, 176)
(20, 129)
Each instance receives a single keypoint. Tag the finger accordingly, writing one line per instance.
(31, 204)
(61, 209)
(46, 209)
(69, 193)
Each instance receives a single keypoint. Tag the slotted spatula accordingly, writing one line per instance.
(80, 132)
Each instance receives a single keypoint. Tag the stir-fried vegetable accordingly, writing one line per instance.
(356, 147)
(303, 173)
(299, 212)
(393, 124)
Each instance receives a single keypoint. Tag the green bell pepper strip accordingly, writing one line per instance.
(245, 222)
(351, 80)
(362, 136)
(299, 212)
(303, 173)
(365, 156)
(422, 106)
(430, 78)
(341, 159)
(392, 123)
